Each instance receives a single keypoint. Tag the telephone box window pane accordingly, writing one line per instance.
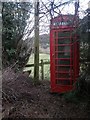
(55, 41)
(65, 52)
(60, 48)
(55, 33)
(64, 41)
(63, 34)
(56, 62)
(64, 55)
(64, 48)
(62, 68)
(63, 62)
(62, 75)
(63, 82)
(55, 48)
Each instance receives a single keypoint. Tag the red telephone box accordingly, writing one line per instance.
(64, 54)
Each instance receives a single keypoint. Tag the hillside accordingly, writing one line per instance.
(44, 40)
(44, 43)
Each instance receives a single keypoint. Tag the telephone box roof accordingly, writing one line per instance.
(63, 21)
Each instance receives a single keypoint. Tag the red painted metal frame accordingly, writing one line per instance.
(74, 59)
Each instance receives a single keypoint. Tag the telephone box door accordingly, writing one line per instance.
(62, 60)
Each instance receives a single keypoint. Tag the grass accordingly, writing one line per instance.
(45, 57)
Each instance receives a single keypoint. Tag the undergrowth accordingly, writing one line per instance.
(77, 95)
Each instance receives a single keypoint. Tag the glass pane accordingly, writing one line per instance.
(62, 62)
(63, 82)
(55, 34)
(64, 48)
(63, 34)
(64, 41)
(56, 41)
(64, 55)
(62, 75)
(62, 68)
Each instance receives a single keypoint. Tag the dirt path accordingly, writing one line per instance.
(29, 101)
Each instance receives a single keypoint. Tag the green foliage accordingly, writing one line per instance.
(81, 91)
(84, 49)
(14, 20)
(71, 97)
(83, 30)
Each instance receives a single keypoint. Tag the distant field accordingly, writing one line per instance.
(45, 57)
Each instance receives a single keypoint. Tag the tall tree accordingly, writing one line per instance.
(14, 19)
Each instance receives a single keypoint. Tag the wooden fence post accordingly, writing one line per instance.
(42, 70)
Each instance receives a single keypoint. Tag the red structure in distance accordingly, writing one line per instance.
(64, 53)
